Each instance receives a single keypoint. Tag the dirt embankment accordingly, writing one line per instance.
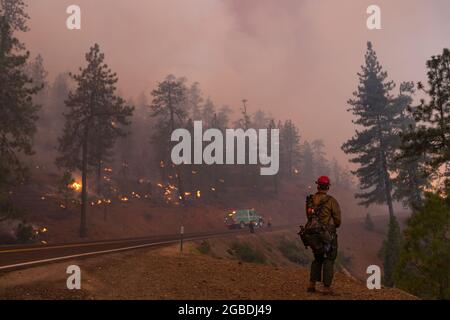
(213, 269)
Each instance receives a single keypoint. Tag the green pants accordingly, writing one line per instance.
(324, 264)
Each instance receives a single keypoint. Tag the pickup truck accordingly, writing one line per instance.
(242, 218)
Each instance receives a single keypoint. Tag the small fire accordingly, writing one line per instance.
(75, 186)
(135, 195)
(199, 194)
(124, 199)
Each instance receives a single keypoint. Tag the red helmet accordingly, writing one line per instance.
(323, 181)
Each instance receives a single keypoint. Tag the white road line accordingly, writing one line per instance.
(111, 250)
(91, 253)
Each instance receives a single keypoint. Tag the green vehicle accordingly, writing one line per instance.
(242, 218)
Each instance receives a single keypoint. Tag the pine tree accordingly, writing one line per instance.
(15, 16)
(208, 113)
(18, 112)
(336, 172)
(424, 264)
(320, 160)
(290, 148)
(37, 73)
(53, 114)
(95, 118)
(223, 117)
(260, 120)
(139, 156)
(410, 178)
(245, 121)
(431, 136)
(375, 145)
(195, 101)
(307, 171)
(169, 106)
(65, 188)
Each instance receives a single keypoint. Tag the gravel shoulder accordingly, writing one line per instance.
(165, 273)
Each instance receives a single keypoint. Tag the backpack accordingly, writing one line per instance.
(315, 234)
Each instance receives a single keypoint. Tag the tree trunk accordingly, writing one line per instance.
(387, 184)
(387, 179)
(84, 188)
(179, 180)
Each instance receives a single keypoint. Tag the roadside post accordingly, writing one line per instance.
(181, 238)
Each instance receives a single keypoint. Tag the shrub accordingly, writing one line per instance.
(24, 233)
(204, 247)
(244, 252)
(390, 251)
(293, 252)
(7, 209)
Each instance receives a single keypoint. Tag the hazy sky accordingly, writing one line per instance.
(293, 58)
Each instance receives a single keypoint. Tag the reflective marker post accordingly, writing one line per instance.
(181, 238)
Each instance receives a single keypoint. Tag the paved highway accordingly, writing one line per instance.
(16, 257)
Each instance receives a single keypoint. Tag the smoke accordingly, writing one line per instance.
(295, 59)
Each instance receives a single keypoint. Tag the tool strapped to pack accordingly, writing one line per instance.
(313, 212)
(316, 234)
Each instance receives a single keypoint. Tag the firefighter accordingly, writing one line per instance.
(251, 225)
(322, 268)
